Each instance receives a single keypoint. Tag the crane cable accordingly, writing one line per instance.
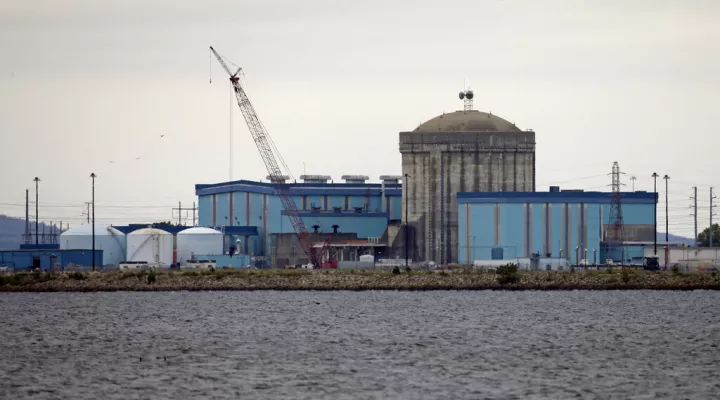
(267, 134)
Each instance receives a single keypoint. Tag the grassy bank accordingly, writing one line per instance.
(274, 279)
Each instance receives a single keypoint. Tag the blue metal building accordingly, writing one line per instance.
(254, 210)
(48, 259)
(509, 225)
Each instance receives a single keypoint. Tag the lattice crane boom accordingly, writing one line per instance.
(262, 140)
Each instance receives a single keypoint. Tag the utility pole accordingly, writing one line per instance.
(27, 216)
(180, 208)
(633, 179)
(37, 239)
(406, 183)
(93, 176)
(695, 213)
(193, 224)
(667, 225)
(655, 176)
(712, 197)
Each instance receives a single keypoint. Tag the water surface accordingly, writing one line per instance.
(342, 345)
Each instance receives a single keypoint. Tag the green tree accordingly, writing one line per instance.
(703, 238)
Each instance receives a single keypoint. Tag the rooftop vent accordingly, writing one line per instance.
(355, 178)
(554, 189)
(315, 178)
(279, 178)
(391, 178)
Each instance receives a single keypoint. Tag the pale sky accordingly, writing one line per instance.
(83, 83)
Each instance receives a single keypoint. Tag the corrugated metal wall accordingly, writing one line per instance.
(521, 229)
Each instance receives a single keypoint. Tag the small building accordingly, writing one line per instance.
(50, 260)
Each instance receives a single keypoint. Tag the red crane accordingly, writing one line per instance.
(265, 146)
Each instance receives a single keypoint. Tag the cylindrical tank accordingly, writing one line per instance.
(198, 241)
(108, 239)
(151, 245)
(367, 258)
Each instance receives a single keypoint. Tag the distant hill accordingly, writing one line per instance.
(674, 238)
(12, 230)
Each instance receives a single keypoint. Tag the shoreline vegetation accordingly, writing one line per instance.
(503, 278)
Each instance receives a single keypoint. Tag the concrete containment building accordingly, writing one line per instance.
(463, 151)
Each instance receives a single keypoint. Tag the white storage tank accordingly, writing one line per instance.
(198, 241)
(152, 245)
(108, 239)
(367, 258)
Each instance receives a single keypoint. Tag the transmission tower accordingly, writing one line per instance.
(614, 242)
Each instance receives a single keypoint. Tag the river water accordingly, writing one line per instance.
(360, 345)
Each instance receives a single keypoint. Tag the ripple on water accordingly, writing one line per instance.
(336, 345)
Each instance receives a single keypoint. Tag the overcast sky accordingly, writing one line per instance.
(83, 83)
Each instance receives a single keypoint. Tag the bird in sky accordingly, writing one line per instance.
(111, 162)
(162, 135)
(137, 158)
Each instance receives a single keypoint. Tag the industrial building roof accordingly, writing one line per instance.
(467, 121)
(300, 188)
(555, 197)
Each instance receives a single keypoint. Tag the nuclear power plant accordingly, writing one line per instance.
(465, 194)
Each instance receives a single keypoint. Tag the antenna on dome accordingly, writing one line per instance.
(467, 97)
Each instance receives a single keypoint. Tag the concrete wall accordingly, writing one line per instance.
(686, 256)
(443, 164)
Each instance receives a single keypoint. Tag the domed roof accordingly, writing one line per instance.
(149, 231)
(86, 229)
(467, 121)
(199, 230)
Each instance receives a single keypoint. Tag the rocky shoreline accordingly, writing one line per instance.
(355, 280)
